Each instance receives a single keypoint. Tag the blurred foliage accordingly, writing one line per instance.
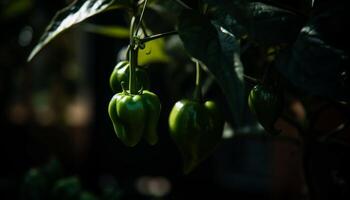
(49, 182)
(10, 9)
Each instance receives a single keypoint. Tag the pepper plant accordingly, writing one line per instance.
(279, 48)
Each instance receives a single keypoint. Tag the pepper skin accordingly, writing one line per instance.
(267, 105)
(196, 129)
(121, 74)
(135, 116)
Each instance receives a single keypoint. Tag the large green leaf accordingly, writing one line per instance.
(229, 22)
(318, 62)
(219, 51)
(237, 9)
(110, 31)
(73, 14)
(230, 14)
(153, 52)
(271, 25)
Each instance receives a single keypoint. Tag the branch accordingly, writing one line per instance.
(183, 4)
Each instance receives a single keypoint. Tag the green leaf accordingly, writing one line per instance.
(272, 25)
(237, 9)
(67, 188)
(154, 51)
(34, 185)
(73, 14)
(87, 196)
(229, 22)
(111, 31)
(318, 62)
(52, 171)
(232, 15)
(219, 51)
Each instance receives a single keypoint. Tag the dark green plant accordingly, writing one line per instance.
(296, 40)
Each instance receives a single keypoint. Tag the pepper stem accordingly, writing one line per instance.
(132, 71)
(197, 95)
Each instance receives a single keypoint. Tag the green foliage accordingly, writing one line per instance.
(112, 31)
(49, 182)
(34, 186)
(154, 51)
(219, 51)
(237, 9)
(271, 25)
(297, 40)
(73, 14)
(67, 188)
(318, 60)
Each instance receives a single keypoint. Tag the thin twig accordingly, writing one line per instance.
(144, 30)
(250, 79)
(335, 131)
(141, 17)
(153, 37)
(183, 4)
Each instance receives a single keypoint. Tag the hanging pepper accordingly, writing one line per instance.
(267, 105)
(135, 116)
(121, 74)
(196, 129)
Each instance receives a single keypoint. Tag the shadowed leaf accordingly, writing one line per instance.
(111, 31)
(272, 25)
(318, 61)
(73, 14)
(219, 51)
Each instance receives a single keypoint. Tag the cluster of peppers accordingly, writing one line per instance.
(134, 112)
(134, 115)
(195, 126)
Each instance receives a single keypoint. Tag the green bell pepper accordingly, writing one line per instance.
(121, 74)
(267, 105)
(196, 129)
(135, 116)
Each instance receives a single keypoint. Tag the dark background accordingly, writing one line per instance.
(55, 108)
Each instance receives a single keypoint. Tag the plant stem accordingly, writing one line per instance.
(198, 74)
(132, 71)
(144, 30)
(153, 37)
(141, 17)
(250, 79)
(132, 30)
(132, 59)
(198, 89)
(183, 4)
